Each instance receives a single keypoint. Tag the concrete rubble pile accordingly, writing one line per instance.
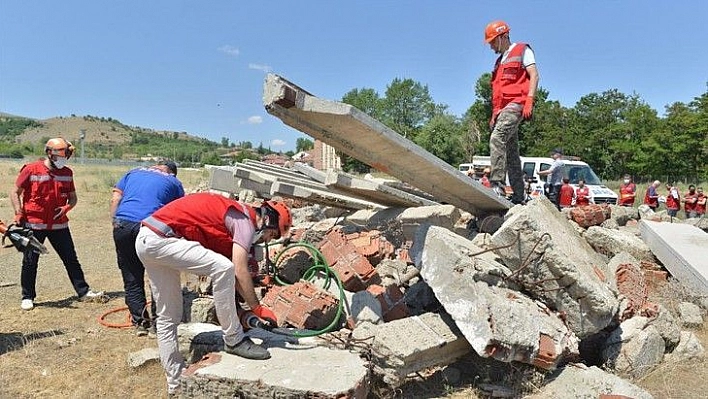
(422, 287)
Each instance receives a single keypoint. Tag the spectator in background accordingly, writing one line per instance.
(555, 181)
(582, 194)
(701, 202)
(651, 197)
(673, 200)
(628, 192)
(689, 202)
(138, 194)
(485, 178)
(567, 194)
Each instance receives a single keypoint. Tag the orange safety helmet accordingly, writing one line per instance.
(285, 219)
(60, 147)
(495, 29)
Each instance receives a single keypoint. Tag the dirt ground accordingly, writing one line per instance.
(59, 349)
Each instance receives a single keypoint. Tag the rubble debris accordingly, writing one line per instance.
(353, 268)
(590, 215)
(681, 248)
(355, 133)
(302, 305)
(634, 348)
(143, 357)
(688, 348)
(690, 315)
(580, 381)
(557, 266)
(197, 339)
(405, 346)
(631, 284)
(497, 321)
(623, 214)
(668, 327)
(611, 242)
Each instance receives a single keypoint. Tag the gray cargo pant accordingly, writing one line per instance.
(504, 152)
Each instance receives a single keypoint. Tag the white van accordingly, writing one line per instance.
(574, 170)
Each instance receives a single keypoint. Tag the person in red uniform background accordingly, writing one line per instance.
(567, 194)
(701, 202)
(628, 192)
(44, 193)
(582, 194)
(651, 197)
(673, 200)
(689, 202)
(485, 178)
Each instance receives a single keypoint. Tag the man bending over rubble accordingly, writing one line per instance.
(208, 235)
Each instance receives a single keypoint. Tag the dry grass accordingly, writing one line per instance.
(59, 350)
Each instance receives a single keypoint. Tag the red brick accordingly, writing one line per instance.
(546, 357)
(302, 305)
(391, 300)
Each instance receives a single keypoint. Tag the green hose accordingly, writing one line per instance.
(320, 265)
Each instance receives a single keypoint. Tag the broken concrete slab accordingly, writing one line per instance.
(320, 197)
(197, 339)
(291, 372)
(688, 348)
(444, 216)
(580, 381)
(681, 248)
(668, 327)
(405, 346)
(373, 191)
(690, 315)
(498, 322)
(557, 266)
(357, 134)
(222, 178)
(142, 357)
(634, 348)
(611, 242)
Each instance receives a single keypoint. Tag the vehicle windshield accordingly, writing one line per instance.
(577, 172)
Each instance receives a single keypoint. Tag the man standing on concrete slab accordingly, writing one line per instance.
(651, 196)
(138, 194)
(556, 171)
(208, 235)
(514, 83)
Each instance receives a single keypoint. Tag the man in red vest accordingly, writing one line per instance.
(689, 202)
(567, 194)
(673, 200)
(43, 195)
(514, 83)
(651, 196)
(485, 178)
(628, 192)
(701, 202)
(582, 194)
(208, 235)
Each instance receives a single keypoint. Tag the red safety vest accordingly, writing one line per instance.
(627, 194)
(45, 190)
(671, 202)
(200, 217)
(582, 196)
(510, 80)
(485, 181)
(566, 195)
(701, 207)
(690, 202)
(652, 202)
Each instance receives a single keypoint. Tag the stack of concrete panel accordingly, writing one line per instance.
(499, 322)
(557, 266)
(682, 249)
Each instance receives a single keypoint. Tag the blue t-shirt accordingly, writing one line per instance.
(146, 190)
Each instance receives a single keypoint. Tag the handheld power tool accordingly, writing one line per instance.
(21, 238)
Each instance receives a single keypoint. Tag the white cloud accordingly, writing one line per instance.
(260, 67)
(277, 143)
(230, 50)
(255, 120)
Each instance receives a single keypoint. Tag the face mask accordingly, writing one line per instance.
(59, 162)
(626, 181)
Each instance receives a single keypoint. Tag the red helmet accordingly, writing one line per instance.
(495, 29)
(60, 147)
(285, 219)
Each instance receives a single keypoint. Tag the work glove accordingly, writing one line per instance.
(528, 108)
(265, 314)
(61, 211)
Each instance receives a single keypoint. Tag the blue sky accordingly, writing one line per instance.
(199, 66)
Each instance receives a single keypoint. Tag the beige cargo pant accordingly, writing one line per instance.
(504, 152)
(164, 258)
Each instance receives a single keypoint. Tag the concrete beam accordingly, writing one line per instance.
(681, 248)
(320, 197)
(309, 171)
(357, 134)
(373, 191)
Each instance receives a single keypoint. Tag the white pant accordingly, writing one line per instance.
(164, 259)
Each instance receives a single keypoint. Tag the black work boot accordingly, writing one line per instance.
(248, 349)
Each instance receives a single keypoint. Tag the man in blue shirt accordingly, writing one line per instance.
(138, 194)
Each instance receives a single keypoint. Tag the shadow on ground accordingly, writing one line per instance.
(16, 340)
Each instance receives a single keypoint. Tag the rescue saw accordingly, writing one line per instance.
(21, 238)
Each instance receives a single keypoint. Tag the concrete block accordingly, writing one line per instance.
(415, 343)
(557, 266)
(690, 315)
(688, 348)
(374, 191)
(203, 311)
(580, 381)
(681, 249)
(623, 214)
(668, 327)
(611, 242)
(142, 357)
(222, 178)
(323, 197)
(439, 215)
(634, 348)
(498, 322)
(291, 372)
(197, 339)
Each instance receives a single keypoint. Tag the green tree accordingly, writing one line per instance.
(442, 136)
(225, 142)
(303, 144)
(407, 106)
